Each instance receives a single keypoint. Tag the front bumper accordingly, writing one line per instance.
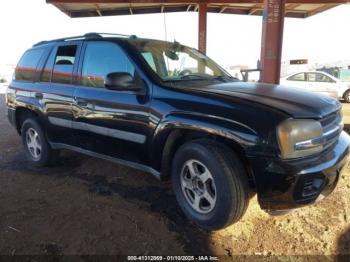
(287, 184)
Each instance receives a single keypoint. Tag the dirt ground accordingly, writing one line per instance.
(90, 206)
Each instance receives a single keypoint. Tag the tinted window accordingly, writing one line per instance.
(47, 71)
(64, 61)
(26, 68)
(297, 77)
(101, 59)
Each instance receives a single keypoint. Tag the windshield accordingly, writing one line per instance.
(175, 62)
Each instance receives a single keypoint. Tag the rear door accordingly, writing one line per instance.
(109, 122)
(57, 84)
(322, 84)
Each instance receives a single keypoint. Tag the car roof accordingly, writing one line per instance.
(311, 71)
(97, 36)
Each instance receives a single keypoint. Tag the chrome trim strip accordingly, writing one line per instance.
(308, 144)
(60, 122)
(319, 141)
(118, 161)
(329, 132)
(116, 133)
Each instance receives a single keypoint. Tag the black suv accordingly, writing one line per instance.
(169, 110)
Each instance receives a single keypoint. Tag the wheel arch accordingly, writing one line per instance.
(170, 135)
(22, 113)
(346, 92)
(26, 107)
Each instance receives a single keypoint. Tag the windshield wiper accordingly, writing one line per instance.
(226, 78)
(191, 77)
(195, 77)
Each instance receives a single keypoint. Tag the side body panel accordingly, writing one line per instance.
(110, 122)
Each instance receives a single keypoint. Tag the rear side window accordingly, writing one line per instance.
(64, 62)
(47, 71)
(317, 77)
(27, 67)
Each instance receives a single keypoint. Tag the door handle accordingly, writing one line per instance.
(81, 102)
(39, 95)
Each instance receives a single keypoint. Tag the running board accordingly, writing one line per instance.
(137, 166)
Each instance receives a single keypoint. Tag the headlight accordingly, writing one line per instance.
(299, 138)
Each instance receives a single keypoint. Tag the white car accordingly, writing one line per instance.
(319, 82)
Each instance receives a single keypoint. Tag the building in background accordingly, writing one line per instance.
(294, 66)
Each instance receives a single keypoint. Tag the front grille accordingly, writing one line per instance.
(332, 127)
(331, 120)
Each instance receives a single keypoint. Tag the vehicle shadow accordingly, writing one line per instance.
(344, 247)
(152, 195)
(159, 199)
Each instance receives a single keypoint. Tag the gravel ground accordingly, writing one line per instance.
(90, 206)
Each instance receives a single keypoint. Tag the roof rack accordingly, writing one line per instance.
(85, 36)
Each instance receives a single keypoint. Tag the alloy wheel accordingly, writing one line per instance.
(33, 143)
(198, 186)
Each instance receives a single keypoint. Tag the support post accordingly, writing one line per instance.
(272, 38)
(202, 28)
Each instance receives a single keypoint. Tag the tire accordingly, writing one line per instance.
(227, 188)
(37, 149)
(347, 96)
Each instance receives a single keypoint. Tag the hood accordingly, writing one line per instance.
(295, 102)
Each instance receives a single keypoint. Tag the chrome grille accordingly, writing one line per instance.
(332, 126)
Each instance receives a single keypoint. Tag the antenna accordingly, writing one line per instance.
(165, 29)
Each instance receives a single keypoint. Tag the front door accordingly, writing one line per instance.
(109, 122)
(298, 81)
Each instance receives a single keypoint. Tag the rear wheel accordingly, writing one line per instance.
(347, 96)
(37, 149)
(210, 184)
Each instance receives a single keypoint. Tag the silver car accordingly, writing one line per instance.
(319, 82)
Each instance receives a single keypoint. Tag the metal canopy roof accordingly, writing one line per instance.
(86, 8)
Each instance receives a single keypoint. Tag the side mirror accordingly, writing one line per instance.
(121, 81)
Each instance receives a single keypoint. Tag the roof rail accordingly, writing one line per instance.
(85, 36)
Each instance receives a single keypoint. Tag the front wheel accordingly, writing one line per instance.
(210, 184)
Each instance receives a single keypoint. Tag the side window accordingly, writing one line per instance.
(323, 78)
(64, 62)
(102, 58)
(47, 71)
(27, 66)
(311, 77)
(297, 77)
(148, 56)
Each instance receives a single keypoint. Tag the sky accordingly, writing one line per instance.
(232, 39)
